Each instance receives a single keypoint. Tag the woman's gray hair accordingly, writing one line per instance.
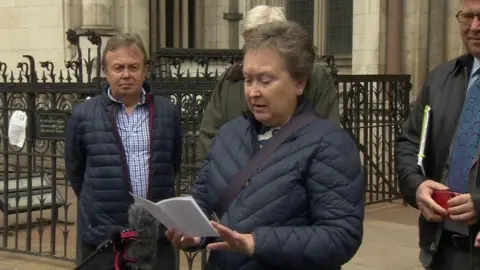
(291, 41)
(123, 40)
(262, 14)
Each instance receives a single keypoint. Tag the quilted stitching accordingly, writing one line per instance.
(304, 206)
(104, 203)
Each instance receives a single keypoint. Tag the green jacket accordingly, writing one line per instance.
(228, 102)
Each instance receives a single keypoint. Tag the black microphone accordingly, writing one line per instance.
(144, 249)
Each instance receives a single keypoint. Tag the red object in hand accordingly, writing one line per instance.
(441, 197)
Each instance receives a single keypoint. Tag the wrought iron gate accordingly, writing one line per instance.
(39, 209)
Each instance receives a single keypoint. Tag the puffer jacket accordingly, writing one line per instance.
(304, 205)
(96, 167)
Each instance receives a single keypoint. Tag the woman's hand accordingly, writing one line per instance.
(233, 241)
(180, 241)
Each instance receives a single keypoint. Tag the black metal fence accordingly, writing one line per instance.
(39, 208)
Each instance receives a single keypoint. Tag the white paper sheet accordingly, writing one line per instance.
(180, 213)
(17, 128)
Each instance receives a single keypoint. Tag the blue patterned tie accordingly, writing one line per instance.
(466, 141)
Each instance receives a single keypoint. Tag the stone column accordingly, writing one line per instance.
(233, 16)
(200, 24)
(215, 28)
(417, 43)
(133, 17)
(97, 14)
(369, 37)
(395, 23)
(436, 32)
(185, 26)
(319, 25)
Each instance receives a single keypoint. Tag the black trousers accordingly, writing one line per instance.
(104, 260)
(454, 254)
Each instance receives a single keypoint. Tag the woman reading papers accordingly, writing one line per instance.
(302, 207)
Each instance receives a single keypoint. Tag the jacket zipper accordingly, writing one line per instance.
(150, 128)
(256, 147)
(126, 175)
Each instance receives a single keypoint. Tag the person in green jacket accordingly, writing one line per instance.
(228, 99)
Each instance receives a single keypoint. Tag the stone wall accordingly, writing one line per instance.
(44, 36)
(430, 37)
(35, 28)
(430, 30)
(38, 28)
(369, 30)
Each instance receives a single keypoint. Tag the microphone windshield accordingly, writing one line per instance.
(144, 248)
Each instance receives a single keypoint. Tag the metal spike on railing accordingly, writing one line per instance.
(69, 76)
(20, 77)
(44, 77)
(60, 77)
(12, 77)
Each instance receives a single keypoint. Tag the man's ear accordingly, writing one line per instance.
(147, 68)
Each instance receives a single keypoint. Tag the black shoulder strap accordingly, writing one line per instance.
(242, 177)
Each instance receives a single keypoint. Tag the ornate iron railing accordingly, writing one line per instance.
(35, 221)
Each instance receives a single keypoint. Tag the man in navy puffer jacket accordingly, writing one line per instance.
(125, 140)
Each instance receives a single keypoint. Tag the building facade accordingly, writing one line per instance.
(366, 36)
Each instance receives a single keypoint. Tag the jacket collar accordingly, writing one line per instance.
(111, 100)
(463, 61)
(140, 102)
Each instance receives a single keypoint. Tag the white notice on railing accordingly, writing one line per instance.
(17, 128)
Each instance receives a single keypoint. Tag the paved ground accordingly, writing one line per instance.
(390, 242)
